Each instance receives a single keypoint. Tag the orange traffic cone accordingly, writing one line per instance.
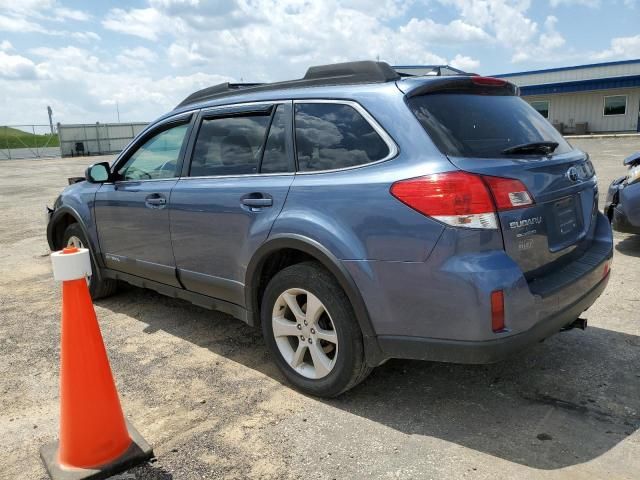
(95, 440)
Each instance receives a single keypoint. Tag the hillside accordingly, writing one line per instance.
(15, 138)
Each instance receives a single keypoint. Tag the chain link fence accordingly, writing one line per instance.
(28, 141)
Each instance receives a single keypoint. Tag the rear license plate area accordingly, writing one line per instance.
(566, 224)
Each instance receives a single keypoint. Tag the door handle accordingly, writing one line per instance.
(155, 200)
(257, 202)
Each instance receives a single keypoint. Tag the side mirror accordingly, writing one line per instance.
(97, 173)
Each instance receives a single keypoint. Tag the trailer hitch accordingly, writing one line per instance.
(580, 323)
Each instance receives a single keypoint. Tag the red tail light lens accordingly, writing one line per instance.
(462, 199)
(455, 198)
(497, 310)
(508, 193)
(488, 81)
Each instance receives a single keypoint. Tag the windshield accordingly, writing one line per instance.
(486, 126)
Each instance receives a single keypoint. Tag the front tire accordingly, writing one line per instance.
(309, 327)
(98, 288)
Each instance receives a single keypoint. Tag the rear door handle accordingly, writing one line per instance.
(155, 200)
(257, 202)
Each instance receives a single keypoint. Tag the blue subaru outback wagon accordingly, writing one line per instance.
(355, 215)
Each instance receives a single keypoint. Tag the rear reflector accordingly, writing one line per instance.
(462, 199)
(606, 269)
(497, 311)
(488, 81)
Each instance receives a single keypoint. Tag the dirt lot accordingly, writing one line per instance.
(201, 389)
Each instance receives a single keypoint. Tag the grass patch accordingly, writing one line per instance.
(15, 138)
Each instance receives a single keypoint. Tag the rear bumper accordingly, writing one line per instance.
(489, 351)
(440, 310)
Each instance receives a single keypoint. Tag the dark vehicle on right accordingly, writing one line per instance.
(623, 198)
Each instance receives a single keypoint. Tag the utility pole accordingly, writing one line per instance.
(50, 112)
(118, 111)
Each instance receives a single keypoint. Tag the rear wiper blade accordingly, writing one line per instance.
(544, 147)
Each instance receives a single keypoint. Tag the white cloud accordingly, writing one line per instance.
(145, 23)
(457, 31)
(63, 13)
(621, 48)
(509, 24)
(16, 67)
(185, 55)
(465, 63)
(42, 9)
(81, 86)
(18, 25)
(137, 57)
(5, 46)
(246, 39)
(549, 45)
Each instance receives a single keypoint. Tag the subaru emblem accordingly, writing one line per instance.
(572, 174)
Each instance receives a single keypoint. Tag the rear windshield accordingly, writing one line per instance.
(467, 125)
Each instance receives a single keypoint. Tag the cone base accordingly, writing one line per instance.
(138, 452)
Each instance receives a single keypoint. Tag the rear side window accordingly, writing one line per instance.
(467, 125)
(229, 145)
(276, 151)
(330, 136)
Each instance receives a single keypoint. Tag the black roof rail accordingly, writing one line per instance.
(347, 73)
(215, 90)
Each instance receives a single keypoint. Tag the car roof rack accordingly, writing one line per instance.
(348, 73)
(215, 90)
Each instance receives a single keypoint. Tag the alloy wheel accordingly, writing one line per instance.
(304, 333)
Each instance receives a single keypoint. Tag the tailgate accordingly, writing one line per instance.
(559, 225)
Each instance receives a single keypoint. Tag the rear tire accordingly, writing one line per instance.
(310, 328)
(98, 288)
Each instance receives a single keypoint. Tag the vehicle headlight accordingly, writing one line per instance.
(633, 175)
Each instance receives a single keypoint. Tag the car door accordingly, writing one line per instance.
(132, 215)
(232, 189)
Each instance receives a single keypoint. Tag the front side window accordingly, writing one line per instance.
(542, 107)
(615, 105)
(331, 135)
(229, 145)
(157, 158)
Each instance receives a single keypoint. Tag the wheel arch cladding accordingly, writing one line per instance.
(300, 248)
(62, 218)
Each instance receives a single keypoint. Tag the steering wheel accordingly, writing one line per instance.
(135, 171)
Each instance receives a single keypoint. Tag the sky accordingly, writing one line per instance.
(88, 59)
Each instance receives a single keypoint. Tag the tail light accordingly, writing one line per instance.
(462, 199)
(488, 81)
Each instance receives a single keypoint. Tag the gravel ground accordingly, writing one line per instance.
(200, 387)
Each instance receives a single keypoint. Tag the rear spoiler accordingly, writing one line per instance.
(466, 84)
